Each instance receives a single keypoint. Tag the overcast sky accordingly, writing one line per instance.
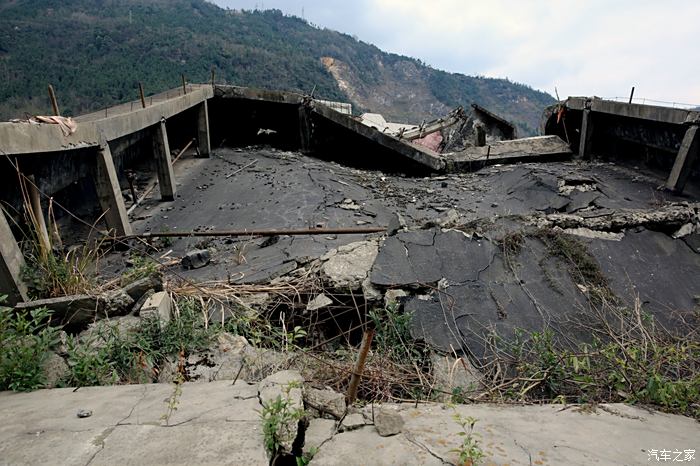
(592, 47)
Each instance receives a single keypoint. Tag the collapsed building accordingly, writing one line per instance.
(472, 232)
(276, 205)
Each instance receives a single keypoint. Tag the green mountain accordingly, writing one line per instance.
(95, 52)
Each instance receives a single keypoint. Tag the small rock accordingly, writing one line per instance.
(325, 401)
(370, 293)
(55, 370)
(352, 422)
(83, 413)
(392, 297)
(158, 305)
(196, 259)
(388, 422)
(319, 302)
(138, 288)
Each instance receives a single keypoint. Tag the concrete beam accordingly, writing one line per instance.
(584, 147)
(109, 193)
(110, 124)
(164, 163)
(203, 130)
(412, 152)
(11, 263)
(249, 93)
(687, 154)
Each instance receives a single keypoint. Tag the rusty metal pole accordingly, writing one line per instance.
(291, 232)
(143, 98)
(632, 94)
(359, 365)
(184, 85)
(54, 102)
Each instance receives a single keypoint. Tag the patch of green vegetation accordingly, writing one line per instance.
(26, 339)
(581, 265)
(276, 416)
(54, 274)
(392, 337)
(512, 243)
(141, 267)
(470, 453)
(661, 370)
(112, 357)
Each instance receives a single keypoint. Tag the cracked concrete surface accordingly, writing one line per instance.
(466, 287)
(219, 423)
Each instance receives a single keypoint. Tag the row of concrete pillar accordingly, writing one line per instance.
(110, 197)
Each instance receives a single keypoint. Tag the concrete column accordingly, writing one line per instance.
(584, 147)
(164, 163)
(685, 159)
(304, 129)
(109, 192)
(11, 263)
(203, 130)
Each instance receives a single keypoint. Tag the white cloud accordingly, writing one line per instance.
(595, 47)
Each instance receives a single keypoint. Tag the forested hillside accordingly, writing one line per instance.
(95, 53)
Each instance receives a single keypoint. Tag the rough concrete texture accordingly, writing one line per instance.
(466, 286)
(325, 402)
(214, 423)
(349, 265)
(159, 306)
(219, 423)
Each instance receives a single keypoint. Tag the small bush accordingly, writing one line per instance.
(25, 339)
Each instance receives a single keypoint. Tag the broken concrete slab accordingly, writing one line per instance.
(139, 287)
(355, 447)
(427, 256)
(76, 309)
(157, 306)
(319, 302)
(388, 422)
(318, 432)
(348, 266)
(325, 402)
(540, 148)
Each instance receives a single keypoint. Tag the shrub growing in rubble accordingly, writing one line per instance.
(25, 339)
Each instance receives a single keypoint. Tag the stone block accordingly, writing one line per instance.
(158, 305)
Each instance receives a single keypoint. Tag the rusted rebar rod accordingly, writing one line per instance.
(359, 365)
(291, 232)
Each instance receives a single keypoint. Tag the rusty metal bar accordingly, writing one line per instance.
(183, 151)
(54, 102)
(359, 366)
(184, 85)
(291, 232)
(143, 98)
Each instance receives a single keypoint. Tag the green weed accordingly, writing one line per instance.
(26, 339)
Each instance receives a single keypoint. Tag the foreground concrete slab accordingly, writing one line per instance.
(216, 423)
(551, 434)
(219, 423)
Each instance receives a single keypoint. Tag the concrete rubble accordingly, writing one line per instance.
(484, 237)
